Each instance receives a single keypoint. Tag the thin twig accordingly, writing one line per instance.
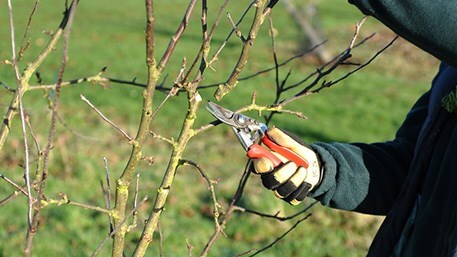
(228, 211)
(18, 188)
(205, 46)
(108, 191)
(235, 28)
(29, 23)
(26, 75)
(361, 66)
(232, 80)
(135, 204)
(9, 89)
(275, 216)
(280, 237)
(41, 178)
(174, 90)
(171, 141)
(22, 116)
(175, 38)
(64, 200)
(35, 139)
(129, 138)
(190, 248)
(211, 183)
(323, 73)
(358, 26)
(9, 198)
(159, 230)
(121, 223)
(219, 50)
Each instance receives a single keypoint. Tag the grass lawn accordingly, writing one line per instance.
(367, 107)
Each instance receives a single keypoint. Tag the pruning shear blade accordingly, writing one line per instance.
(248, 130)
(250, 133)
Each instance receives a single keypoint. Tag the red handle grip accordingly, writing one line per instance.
(286, 152)
(257, 151)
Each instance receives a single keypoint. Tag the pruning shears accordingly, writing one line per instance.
(251, 132)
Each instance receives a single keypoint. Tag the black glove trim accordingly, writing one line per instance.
(299, 194)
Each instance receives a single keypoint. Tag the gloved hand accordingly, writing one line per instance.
(289, 182)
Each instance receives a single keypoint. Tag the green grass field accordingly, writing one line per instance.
(367, 107)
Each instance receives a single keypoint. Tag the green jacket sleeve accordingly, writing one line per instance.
(368, 177)
(429, 24)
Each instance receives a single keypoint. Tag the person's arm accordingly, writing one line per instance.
(368, 177)
(429, 24)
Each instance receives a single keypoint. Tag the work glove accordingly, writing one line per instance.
(289, 182)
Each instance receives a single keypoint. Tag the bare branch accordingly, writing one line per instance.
(205, 47)
(228, 211)
(18, 188)
(175, 38)
(5, 86)
(167, 140)
(235, 28)
(26, 42)
(174, 90)
(22, 115)
(9, 198)
(119, 226)
(225, 88)
(129, 138)
(41, 178)
(25, 77)
(358, 26)
(280, 237)
(219, 50)
(211, 183)
(95, 79)
(123, 183)
(323, 73)
(108, 191)
(194, 100)
(64, 200)
(275, 216)
(135, 204)
(190, 248)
